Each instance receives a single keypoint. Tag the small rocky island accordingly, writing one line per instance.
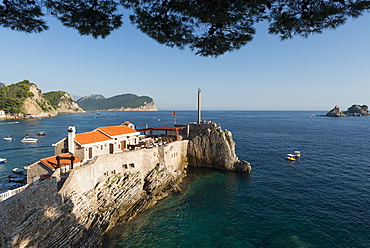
(354, 110)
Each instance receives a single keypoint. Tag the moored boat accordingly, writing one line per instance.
(28, 139)
(41, 133)
(18, 171)
(8, 138)
(290, 157)
(3, 160)
(16, 179)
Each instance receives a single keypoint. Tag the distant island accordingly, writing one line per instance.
(124, 102)
(354, 110)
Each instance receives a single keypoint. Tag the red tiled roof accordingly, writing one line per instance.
(160, 128)
(117, 130)
(53, 163)
(91, 137)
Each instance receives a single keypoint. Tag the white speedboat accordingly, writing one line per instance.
(8, 138)
(28, 139)
(18, 171)
(3, 160)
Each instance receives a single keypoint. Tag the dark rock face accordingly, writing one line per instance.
(214, 148)
(354, 110)
(335, 112)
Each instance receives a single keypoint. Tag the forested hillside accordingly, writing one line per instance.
(116, 102)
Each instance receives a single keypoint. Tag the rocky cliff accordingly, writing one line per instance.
(146, 107)
(214, 148)
(25, 99)
(67, 105)
(38, 217)
(39, 106)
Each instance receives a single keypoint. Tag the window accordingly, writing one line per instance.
(124, 166)
(132, 165)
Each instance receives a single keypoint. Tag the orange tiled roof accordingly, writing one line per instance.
(53, 163)
(117, 130)
(91, 137)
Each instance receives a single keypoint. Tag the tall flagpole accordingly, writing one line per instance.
(199, 105)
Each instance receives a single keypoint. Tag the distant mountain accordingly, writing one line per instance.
(124, 102)
(1, 84)
(76, 97)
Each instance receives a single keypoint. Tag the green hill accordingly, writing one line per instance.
(98, 102)
(13, 96)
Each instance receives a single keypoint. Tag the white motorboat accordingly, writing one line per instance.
(8, 138)
(28, 139)
(3, 160)
(18, 171)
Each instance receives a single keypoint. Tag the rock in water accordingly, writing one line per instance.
(212, 147)
(335, 112)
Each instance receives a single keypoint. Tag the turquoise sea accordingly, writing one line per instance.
(322, 200)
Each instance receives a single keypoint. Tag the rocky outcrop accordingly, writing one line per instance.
(67, 105)
(335, 112)
(213, 148)
(80, 220)
(354, 110)
(37, 104)
(146, 107)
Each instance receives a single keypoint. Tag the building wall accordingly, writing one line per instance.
(83, 179)
(35, 170)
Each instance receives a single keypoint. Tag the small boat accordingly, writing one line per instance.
(8, 138)
(28, 139)
(41, 133)
(18, 171)
(12, 185)
(297, 154)
(16, 179)
(290, 157)
(3, 160)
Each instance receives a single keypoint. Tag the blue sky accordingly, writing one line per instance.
(267, 74)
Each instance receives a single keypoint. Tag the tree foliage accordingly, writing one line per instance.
(124, 100)
(208, 27)
(54, 97)
(12, 96)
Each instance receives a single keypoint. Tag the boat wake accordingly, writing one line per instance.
(8, 123)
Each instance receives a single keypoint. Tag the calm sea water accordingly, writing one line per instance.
(321, 200)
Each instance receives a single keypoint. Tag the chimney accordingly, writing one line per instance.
(71, 137)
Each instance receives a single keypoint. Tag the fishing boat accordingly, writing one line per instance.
(18, 171)
(28, 139)
(16, 179)
(8, 138)
(3, 160)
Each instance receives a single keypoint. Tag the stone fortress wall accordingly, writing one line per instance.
(35, 216)
(109, 188)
